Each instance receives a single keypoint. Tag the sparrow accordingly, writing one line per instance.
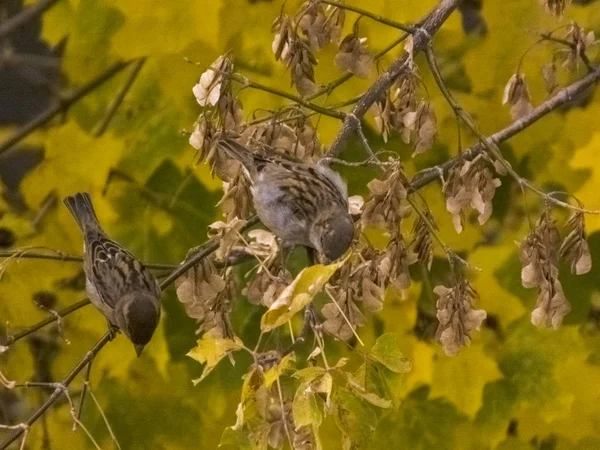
(117, 283)
(302, 204)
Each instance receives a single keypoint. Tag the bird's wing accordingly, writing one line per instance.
(113, 271)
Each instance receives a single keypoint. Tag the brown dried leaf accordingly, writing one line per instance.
(198, 287)
(209, 89)
(227, 234)
(470, 184)
(551, 306)
(265, 287)
(301, 67)
(580, 41)
(230, 112)
(575, 250)
(335, 323)
(456, 315)
(384, 208)
(555, 7)
(354, 56)
(313, 23)
(284, 38)
(539, 253)
(335, 22)
(516, 93)
(549, 75)
(237, 198)
(423, 240)
(394, 263)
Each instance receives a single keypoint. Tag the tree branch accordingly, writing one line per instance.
(66, 102)
(25, 16)
(370, 15)
(329, 87)
(58, 255)
(60, 389)
(11, 339)
(203, 251)
(486, 142)
(561, 98)
(307, 104)
(420, 41)
(116, 102)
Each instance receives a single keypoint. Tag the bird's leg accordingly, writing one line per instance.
(113, 330)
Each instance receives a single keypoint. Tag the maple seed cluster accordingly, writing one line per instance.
(398, 109)
(539, 254)
(575, 43)
(312, 28)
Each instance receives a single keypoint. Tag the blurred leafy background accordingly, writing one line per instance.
(515, 387)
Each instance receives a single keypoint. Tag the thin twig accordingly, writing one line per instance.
(11, 339)
(47, 204)
(376, 17)
(581, 52)
(25, 16)
(307, 104)
(490, 145)
(562, 97)
(59, 255)
(206, 249)
(350, 324)
(108, 427)
(58, 391)
(63, 105)
(84, 390)
(118, 100)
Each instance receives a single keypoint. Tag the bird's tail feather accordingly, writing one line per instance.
(80, 206)
(237, 151)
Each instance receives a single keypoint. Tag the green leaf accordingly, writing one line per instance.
(371, 397)
(387, 352)
(297, 295)
(370, 384)
(355, 419)
(211, 349)
(306, 407)
(419, 423)
(309, 373)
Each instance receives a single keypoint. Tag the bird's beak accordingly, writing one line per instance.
(138, 349)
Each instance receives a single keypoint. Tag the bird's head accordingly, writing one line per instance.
(332, 234)
(138, 318)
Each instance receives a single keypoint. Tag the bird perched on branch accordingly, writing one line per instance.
(302, 204)
(116, 282)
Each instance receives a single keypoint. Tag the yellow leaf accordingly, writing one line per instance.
(211, 349)
(387, 352)
(74, 161)
(297, 295)
(461, 379)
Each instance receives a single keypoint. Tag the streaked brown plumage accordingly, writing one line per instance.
(116, 282)
(302, 204)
